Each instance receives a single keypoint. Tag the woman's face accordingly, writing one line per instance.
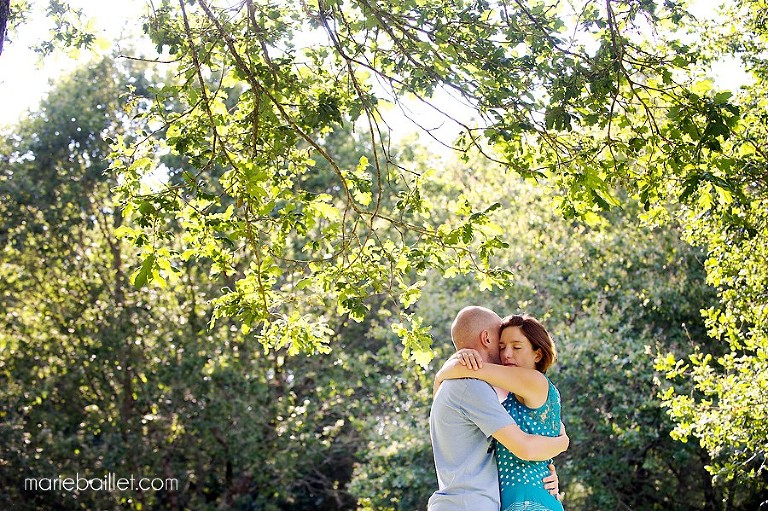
(516, 350)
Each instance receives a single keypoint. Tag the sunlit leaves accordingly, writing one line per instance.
(416, 339)
(604, 103)
(254, 135)
(142, 275)
(726, 215)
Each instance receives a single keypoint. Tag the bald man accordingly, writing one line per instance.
(466, 415)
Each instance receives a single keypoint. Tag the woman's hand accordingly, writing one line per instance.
(552, 483)
(470, 358)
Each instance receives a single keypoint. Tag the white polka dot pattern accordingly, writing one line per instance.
(520, 481)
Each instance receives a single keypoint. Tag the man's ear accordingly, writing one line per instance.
(485, 338)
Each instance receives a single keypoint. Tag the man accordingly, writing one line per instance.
(465, 414)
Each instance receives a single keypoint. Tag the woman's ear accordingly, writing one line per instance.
(538, 355)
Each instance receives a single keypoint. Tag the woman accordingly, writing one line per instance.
(526, 351)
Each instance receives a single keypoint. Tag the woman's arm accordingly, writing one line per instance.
(531, 385)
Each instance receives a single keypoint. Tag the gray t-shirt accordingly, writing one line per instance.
(465, 414)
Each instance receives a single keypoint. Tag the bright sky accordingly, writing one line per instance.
(24, 79)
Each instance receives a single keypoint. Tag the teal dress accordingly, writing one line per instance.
(520, 481)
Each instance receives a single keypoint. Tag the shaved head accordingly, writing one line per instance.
(470, 323)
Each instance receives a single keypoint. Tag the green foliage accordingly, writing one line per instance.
(259, 105)
(727, 413)
(282, 222)
(103, 369)
(612, 295)
(71, 30)
(727, 410)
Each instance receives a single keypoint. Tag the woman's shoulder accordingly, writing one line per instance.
(552, 386)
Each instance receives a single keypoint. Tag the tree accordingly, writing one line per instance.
(604, 100)
(607, 103)
(70, 31)
(102, 377)
(211, 406)
(727, 411)
(5, 14)
(613, 295)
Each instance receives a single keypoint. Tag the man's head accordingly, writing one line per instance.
(478, 328)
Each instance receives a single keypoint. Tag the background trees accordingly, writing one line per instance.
(255, 210)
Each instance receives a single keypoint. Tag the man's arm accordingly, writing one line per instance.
(479, 403)
(531, 447)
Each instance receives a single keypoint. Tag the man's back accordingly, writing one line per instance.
(465, 414)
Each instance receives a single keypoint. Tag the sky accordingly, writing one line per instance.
(24, 78)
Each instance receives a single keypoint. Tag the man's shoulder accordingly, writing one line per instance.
(465, 387)
(468, 382)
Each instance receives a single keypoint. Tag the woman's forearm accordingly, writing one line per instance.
(512, 379)
(523, 382)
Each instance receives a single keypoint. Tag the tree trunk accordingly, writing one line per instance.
(5, 13)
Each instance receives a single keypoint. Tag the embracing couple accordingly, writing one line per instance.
(493, 447)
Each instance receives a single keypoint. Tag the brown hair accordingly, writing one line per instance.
(538, 336)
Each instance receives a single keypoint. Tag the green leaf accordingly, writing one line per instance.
(141, 276)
